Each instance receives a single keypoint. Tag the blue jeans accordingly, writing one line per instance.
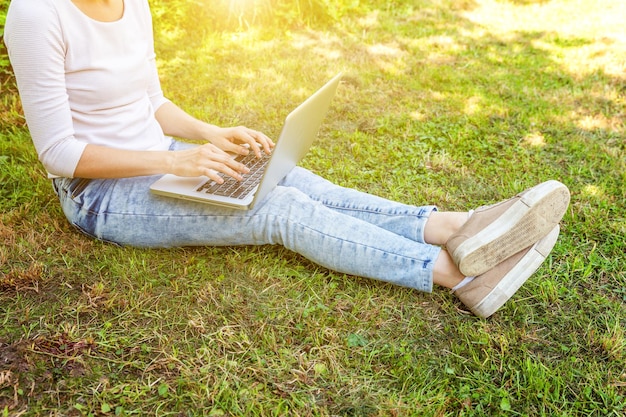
(339, 228)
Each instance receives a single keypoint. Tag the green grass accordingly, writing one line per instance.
(446, 102)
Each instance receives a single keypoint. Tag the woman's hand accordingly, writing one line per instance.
(207, 160)
(240, 140)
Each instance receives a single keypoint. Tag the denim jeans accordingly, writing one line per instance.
(338, 228)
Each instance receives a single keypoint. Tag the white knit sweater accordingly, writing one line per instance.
(82, 81)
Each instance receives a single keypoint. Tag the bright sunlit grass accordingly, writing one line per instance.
(583, 36)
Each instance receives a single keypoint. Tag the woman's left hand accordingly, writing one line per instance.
(241, 140)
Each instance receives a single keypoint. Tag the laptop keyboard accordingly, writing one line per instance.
(239, 189)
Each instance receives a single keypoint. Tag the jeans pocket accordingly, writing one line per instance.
(72, 187)
(77, 186)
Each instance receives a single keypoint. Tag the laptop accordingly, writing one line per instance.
(298, 133)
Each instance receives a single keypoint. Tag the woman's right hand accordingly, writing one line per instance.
(207, 160)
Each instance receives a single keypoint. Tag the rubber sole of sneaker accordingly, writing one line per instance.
(529, 219)
(517, 276)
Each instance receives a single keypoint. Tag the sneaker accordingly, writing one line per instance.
(494, 233)
(488, 292)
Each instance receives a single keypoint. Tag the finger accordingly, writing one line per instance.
(212, 174)
(215, 153)
(220, 161)
(262, 140)
(230, 163)
(212, 151)
(231, 147)
(236, 172)
(266, 142)
(237, 149)
(253, 141)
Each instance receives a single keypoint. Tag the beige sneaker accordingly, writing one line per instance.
(489, 291)
(494, 233)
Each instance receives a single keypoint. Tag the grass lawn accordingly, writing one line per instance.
(453, 103)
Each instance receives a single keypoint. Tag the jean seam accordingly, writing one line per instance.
(335, 206)
(351, 241)
(422, 214)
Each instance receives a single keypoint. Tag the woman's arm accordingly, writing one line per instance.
(104, 162)
(176, 122)
(208, 159)
(34, 39)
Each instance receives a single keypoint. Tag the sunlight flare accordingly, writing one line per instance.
(591, 190)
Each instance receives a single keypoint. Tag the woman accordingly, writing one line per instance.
(103, 130)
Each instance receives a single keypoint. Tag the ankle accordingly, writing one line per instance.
(441, 225)
(463, 217)
(463, 283)
(445, 272)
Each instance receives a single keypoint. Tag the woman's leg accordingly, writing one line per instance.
(124, 211)
(438, 229)
(422, 224)
(401, 219)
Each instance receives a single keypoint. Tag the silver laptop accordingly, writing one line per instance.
(298, 133)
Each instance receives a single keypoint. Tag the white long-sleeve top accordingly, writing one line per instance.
(83, 81)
